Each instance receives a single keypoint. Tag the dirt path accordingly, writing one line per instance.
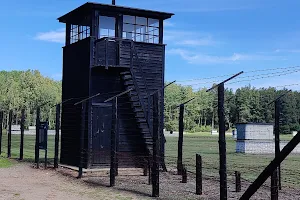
(23, 182)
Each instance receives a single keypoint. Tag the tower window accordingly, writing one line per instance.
(107, 27)
(141, 29)
(79, 33)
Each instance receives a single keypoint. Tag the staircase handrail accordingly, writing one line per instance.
(132, 51)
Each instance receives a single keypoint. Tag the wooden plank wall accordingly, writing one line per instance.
(109, 83)
(151, 62)
(75, 84)
(101, 50)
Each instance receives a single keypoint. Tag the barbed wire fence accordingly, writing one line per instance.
(18, 139)
(249, 166)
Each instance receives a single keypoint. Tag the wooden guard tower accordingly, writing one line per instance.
(110, 49)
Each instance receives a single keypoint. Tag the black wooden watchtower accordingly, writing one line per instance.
(110, 49)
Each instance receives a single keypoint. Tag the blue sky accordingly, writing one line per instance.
(205, 38)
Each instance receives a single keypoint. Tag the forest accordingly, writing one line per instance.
(246, 104)
(29, 89)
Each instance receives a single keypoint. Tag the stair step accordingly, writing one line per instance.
(149, 143)
(141, 86)
(130, 129)
(125, 73)
(128, 83)
(127, 77)
(134, 98)
(137, 109)
(141, 120)
(135, 131)
(133, 93)
(136, 104)
(139, 114)
(143, 125)
(128, 87)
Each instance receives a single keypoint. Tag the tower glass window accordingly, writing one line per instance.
(141, 29)
(107, 27)
(79, 32)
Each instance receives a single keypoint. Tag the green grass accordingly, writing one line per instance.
(203, 143)
(5, 163)
(249, 165)
(29, 147)
(286, 137)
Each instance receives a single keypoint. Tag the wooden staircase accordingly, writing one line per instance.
(139, 106)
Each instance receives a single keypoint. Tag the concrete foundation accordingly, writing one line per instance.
(260, 147)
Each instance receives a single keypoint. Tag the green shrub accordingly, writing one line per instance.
(201, 129)
(285, 129)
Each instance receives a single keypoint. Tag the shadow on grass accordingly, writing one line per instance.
(103, 181)
(97, 183)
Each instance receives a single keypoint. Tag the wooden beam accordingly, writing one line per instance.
(118, 95)
(225, 81)
(161, 31)
(267, 172)
(86, 99)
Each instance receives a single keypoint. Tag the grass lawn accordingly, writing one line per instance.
(5, 163)
(249, 165)
(29, 147)
(206, 145)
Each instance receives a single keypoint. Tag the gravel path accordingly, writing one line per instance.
(23, 182)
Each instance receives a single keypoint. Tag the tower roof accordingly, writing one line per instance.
(88, 7)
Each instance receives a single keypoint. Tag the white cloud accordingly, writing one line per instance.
(168, 23)
(170, 35)
(212, 9)
(57, 36)
(287, 50)
(197, 42)
(178, 6)
(189, 38)
(199, 58)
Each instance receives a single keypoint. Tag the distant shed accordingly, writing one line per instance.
(254, 131)
(254, 138)
(257, 138)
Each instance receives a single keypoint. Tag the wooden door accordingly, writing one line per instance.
(101, 131)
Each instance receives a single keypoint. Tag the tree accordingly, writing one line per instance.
(246, 104)
(28, 89)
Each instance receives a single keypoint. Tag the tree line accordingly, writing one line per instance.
(27, 90)
(246, 104)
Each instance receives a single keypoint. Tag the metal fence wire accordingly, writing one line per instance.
(178, 159)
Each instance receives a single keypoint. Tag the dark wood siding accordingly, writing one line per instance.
(109, 83)
(79, 81)
(148, 67)
(151, 59)
(105, 53)
(149, 63)
(75, 84)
